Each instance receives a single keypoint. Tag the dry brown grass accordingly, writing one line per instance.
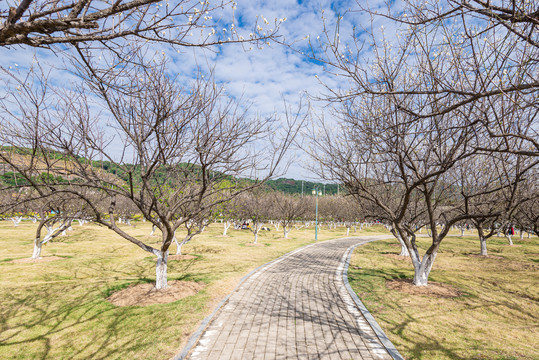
(59, 309)
(491, 314)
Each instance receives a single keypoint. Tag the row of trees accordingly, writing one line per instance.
(254, 210)
(438, 124)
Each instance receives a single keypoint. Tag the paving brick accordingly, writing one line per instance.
(296, 308)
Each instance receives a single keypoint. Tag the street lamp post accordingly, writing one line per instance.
(317, 193)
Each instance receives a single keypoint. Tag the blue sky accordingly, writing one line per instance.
(261, 77)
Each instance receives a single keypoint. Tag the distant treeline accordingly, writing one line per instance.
(291, 186)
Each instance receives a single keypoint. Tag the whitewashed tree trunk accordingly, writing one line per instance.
(226, 226)
(509, 238)
(179, 247)
(483, 243)
(256, 230)
(161, 270)
(16, 220)
(38, 242)
(347, 231)
(153, 230)
(286, 231)
(37, 249)
(422, 269)
(404, 248)
(462, 231)
(521, 234)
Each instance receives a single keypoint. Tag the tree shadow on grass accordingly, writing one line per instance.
(71, 318)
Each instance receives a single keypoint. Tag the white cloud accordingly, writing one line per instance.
(262, 77)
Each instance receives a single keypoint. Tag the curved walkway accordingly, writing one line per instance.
(299, 306)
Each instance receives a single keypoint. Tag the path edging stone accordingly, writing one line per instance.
(370, 319)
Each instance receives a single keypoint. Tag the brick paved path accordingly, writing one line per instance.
(295, 308)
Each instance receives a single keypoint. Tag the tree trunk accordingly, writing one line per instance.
(422, 269)
(521, 234)
(225, 227)
(347, 231)
(483, 243)
(404, 248)
(256, 237)
(153, 230)
(37, 248)
(179, 247)
(510, 239)
(285, 231)
(161, 270)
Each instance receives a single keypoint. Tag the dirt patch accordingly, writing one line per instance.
(251, 244)
(182, 257)
(434, 289)
(41, 259)
(147, 294)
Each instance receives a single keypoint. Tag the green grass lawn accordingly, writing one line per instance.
(495, 317)
(58, 309)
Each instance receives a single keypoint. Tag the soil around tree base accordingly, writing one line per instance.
(147, 294)
(41, 259)
(434, 289)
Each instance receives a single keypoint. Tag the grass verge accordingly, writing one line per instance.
(493, 317)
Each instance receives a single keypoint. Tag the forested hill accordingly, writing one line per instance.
(291, 186)
(10, 178)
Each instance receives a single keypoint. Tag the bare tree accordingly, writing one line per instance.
(184, 23)
(418, 105)
(254, 207)
(463, 52)
(171, 148)
(193, 227)
(287, 209)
